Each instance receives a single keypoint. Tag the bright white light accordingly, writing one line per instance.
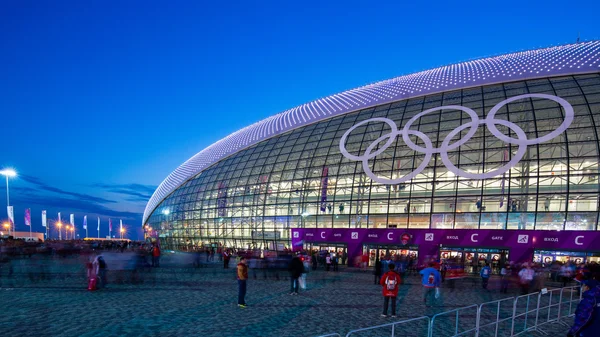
(166, 212)
(305, 214)
(8, 173)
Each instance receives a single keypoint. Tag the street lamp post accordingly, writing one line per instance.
(7, 227)
(122, 231)
(8, 173)
(59, 230)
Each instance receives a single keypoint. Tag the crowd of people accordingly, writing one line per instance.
(390, 272)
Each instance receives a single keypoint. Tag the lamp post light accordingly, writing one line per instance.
(8, 173)
(122, 231)
(7, 227)
(59, 225)
(72, 228)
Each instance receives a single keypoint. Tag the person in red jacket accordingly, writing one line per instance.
(155, 255)
(390, 281)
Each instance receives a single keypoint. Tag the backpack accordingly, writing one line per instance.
(486, 271)
(102, 263)
(390, 283)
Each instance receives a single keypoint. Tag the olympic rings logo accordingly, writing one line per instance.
(522, 141)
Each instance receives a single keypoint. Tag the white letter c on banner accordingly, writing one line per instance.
(473, 237)
(577, 240)
(322, 235)
(389, 236)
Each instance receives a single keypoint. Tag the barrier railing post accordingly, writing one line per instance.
(537, 310)
(497, 319)
(526, 313)
(570, 303)
(456, 325)
(512, 328)
(549, 307)
(430, 328)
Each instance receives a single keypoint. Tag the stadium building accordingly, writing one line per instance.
(494, 159)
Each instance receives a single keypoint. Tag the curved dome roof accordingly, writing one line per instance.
(554, 61)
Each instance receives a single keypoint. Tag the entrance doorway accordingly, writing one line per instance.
(547, 257)
(322, 248)
(391, 251)
(473, 259)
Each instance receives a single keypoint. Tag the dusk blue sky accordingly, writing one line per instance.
(101, 100)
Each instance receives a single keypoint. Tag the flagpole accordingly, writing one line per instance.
(98, 227)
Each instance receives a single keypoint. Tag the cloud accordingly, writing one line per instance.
(47, 188)
(139, 192)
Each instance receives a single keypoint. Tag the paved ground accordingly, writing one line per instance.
(174, 301)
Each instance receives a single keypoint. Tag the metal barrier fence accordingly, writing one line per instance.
(525, 311)
(466, 328)
(549, 303)
(568, 304)
(393, 326)
(496, 316)
(507, 317)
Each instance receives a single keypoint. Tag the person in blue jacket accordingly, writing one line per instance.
(587, 315)
(431, 280)
(485, 273)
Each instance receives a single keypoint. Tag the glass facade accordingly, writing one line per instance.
(300, 178)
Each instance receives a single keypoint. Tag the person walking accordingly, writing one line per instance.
(526, 276)
(565, 274)
(390, 282)
(327, 262)
(336, 261)
(485, 273)
(99, 269)
(226, 258)
(242, 277)
(587, 315)
(430, 280)
(443, 270)
(364, 260)
(505, 272)
(296, 268)
(92, 274)
(378, 270)
(155, 256)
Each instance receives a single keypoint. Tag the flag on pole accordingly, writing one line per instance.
(110, 225)
(72, 219)
(120, 225)
(85, 222)
(28, 217)
(59, 220)
(98, 224)
(11, 215)
(44, 218)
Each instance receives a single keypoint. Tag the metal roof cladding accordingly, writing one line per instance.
(567, 59)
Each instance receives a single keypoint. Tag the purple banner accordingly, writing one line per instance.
(521, 243)
(503, 181)
(222, 200)
(324, 182)
(28, 217)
